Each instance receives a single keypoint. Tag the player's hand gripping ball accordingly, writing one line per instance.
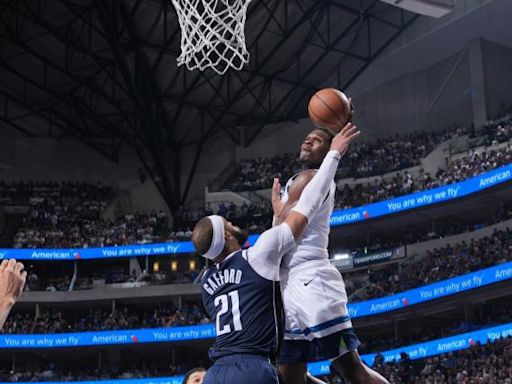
(330, 108)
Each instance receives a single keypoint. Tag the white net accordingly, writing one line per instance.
(212, 34)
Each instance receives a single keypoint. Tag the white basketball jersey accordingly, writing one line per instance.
(313, 243)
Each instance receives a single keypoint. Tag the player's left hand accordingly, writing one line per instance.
(344, 138)
(277, 204)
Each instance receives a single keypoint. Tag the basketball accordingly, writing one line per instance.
(330, 108)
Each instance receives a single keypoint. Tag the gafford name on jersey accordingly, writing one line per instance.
(218, 279)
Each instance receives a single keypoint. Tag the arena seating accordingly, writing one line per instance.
(59, 321)
(438, 264)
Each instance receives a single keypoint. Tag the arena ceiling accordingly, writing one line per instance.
(104, 72)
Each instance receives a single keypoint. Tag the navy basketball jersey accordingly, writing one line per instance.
(245, 307)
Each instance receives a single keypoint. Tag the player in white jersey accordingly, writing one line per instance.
(317, 324)
(239, 289)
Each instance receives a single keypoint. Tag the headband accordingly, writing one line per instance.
(218, 241)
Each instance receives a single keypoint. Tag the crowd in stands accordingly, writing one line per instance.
(404, 183)
(371, 158)
(254, 217)
(493, 313)
(35, 283)
(62, 232)
(496, 312)
(503, 213)
(59, 321)
(389, 155)
(51, 373)
(57, 197)
(364, 159)
(143, 368)
(393, 153)
(253, 174)
(498, 130)
(489, 363)
(438, 264)
(145, 278)
(72, 214)
(40, 281)
(379, 241)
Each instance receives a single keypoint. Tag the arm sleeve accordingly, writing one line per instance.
(265, 256)
(314, 193)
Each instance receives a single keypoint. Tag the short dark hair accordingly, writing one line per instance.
(330, 133)
(194, 370)
(202, 235)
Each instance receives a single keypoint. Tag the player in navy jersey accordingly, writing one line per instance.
(240, 290)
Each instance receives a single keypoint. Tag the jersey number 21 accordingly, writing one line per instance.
(223, 300)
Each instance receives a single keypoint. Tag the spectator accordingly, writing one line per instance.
(194, 376)
(486, 364)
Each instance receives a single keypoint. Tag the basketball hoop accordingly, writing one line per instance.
(212, 34)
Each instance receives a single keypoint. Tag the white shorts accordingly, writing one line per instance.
(315, 301)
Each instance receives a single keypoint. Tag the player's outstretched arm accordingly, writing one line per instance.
(315, 191)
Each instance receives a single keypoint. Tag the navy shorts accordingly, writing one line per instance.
(327, 347)
(242, 368)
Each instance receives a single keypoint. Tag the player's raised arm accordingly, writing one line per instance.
(315, 191)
